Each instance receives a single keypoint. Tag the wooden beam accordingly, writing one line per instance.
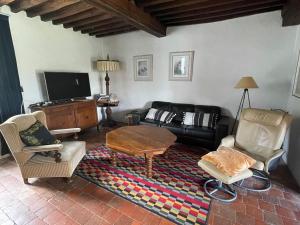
(132, 14)
(151, 3)
(6, 2)
(67, 11)
(99, 23)
(237, 7)
(175, 4)
(49, 6)
(220, 17)
(121, 31)
(78, 17)
(89, 22)
(104, 27)
(291, 13)
(109, 28)
(197, 6)
(18, 6)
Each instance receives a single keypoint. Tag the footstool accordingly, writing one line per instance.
(222, 182)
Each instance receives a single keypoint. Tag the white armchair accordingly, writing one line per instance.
(68, 154)
(260, 134)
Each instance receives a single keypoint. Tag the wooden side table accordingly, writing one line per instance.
(108, 122)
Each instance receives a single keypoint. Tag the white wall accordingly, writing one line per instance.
(224, 51)
(41, 46)
(293, 158)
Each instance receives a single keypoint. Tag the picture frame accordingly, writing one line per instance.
(181, 66)
(143, 67)
(296, 86)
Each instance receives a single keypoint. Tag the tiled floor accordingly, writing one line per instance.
(52, 201)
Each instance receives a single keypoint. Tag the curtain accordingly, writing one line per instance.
(10, 89)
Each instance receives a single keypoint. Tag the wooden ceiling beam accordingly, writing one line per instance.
(176, 4)
(114, 32)
(18, 6)
(98, 23)
(197, 6)
(78, 17)
(67, 11)
(254, 4)
(132, 14)
(104, 27)
(152, 2)
(89, 22)
(220, 17)
(49, 6)
(291, 13)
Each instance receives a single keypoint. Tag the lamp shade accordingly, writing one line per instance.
(108, 65)
(246, 83)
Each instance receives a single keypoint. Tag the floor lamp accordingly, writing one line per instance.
(107, 66)
(245, 83)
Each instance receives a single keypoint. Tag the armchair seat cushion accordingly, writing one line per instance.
(259, 164)
(200, 132)
(71, 155)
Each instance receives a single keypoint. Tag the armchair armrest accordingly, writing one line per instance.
(43, 148)
(278, 153)
(65, 131)
(228, 141)
(222, 128)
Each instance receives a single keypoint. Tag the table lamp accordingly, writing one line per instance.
(108, 66)
(245, 83)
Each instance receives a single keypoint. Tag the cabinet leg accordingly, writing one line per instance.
(25, 180)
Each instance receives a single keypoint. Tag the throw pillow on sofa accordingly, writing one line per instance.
(160, 115)
(37, 134)
(200, 119)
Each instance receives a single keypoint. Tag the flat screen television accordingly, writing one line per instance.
(64, 86)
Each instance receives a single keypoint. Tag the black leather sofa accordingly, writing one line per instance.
(204, 136)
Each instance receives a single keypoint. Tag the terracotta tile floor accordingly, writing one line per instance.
(52, 201)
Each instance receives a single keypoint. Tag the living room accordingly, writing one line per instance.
(260, 44)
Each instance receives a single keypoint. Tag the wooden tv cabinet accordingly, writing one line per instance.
(82, 114)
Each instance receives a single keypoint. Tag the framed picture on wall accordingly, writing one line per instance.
(143, 67)
(181, 66)
(296, 87)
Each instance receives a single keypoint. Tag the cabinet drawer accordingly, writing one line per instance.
(86, 117)
(61, 119)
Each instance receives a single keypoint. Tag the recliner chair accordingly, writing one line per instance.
(260, 135)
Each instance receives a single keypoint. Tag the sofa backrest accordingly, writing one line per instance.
(180, 108)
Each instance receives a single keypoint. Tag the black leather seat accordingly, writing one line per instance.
(208, 137)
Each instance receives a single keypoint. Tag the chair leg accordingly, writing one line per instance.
(259, 175)
(25, 180)
(222, 188)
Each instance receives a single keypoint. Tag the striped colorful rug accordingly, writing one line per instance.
(175, 191)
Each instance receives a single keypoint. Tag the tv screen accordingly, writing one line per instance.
(61, 86)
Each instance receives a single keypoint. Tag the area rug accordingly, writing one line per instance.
(175, 191)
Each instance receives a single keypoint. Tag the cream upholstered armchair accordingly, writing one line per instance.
(260, 134)
(38, 165)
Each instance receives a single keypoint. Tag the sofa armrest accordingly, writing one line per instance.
(65, 131)
(140, 112)
(222, 128)
(43, 148)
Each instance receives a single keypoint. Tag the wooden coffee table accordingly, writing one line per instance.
(140, 140)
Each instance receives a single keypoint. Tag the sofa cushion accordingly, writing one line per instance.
(160, 115)
(199, 119)
(174, 128)
(150, 122)
(179, 109)
(200, 132)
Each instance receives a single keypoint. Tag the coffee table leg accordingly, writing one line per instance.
(149, 165)
(114, 159)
